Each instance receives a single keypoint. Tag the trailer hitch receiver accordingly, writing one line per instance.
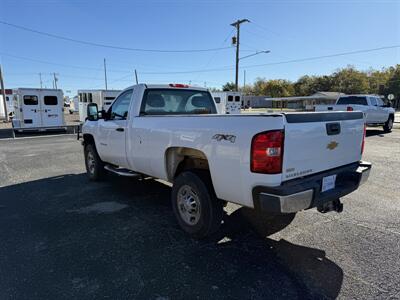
(334, 205)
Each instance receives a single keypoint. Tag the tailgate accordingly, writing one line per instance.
(316, 142)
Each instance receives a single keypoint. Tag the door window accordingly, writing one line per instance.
(379, 102)
(50, 100)
(119, 109)
(30, 100)
(230, 98)
(373, 101)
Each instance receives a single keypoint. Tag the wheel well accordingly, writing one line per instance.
(179, 159)
(88, 139)
(391, 116)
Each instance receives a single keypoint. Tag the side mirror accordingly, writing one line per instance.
(92, 112)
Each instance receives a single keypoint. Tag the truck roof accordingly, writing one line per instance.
(101, 90)
(359, 95)
(168, 86)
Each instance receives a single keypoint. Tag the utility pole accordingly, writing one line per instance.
(237, 26)
(55, 80)
(3, 92)
(244, 79)
(105, 73)
(137, 82)
(40, 78)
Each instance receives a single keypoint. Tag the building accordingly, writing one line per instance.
(305, 102)
(256, 102)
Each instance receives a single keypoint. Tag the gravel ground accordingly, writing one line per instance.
(63, 237)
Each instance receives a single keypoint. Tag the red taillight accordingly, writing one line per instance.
(178, 85)
(363, 141)
(267, 152)
(349, 108)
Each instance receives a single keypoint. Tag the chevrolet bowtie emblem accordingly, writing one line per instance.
(332, 145)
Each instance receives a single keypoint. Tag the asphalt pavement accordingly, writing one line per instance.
(63, 237)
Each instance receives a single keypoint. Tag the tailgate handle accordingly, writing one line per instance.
(333, 128)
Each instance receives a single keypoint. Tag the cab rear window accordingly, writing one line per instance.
(177, 102)
(356, 100)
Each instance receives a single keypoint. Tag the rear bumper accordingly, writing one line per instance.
(305, 193)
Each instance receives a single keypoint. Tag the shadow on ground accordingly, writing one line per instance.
(376, 132)
(65, 237)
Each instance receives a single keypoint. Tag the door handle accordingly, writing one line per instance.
(333, 128)
(119, 129)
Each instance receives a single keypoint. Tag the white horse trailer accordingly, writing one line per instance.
(103, 99)
(74, 105)
(228, 102)
(9, 103)
(38, 109)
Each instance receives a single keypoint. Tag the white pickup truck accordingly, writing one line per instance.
(276, 162)
(376, 112)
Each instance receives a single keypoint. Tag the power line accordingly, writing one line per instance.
(325, 56)
(227, 68)
(61, 65)
(108, 46)
(218, 69)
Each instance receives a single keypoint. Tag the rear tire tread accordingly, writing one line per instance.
(211, 207)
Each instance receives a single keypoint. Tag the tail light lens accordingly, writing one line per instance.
(349, 108)
(363, 141)
(267, 152)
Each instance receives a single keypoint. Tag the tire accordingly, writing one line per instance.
(388, 125)
(196, 207)
(94, 165)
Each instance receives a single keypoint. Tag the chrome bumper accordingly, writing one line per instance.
(305, 193)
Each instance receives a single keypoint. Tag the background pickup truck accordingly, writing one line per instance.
(276, 162)
(376, 112)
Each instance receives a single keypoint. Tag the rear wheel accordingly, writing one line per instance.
(388, 125)
(197, 209)
(94, 165)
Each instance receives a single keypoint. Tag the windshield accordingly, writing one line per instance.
(358, 100)
(177, 101)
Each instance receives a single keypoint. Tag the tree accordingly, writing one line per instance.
(279, 88)
(393, 83)
(229, 86)
(350, 81)
(304, 86)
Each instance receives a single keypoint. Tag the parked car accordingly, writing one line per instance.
(376, 112)
(276, 162)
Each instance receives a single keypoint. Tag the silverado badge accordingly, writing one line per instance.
(332, 145)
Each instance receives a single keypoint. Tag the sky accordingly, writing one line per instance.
(290, 29)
